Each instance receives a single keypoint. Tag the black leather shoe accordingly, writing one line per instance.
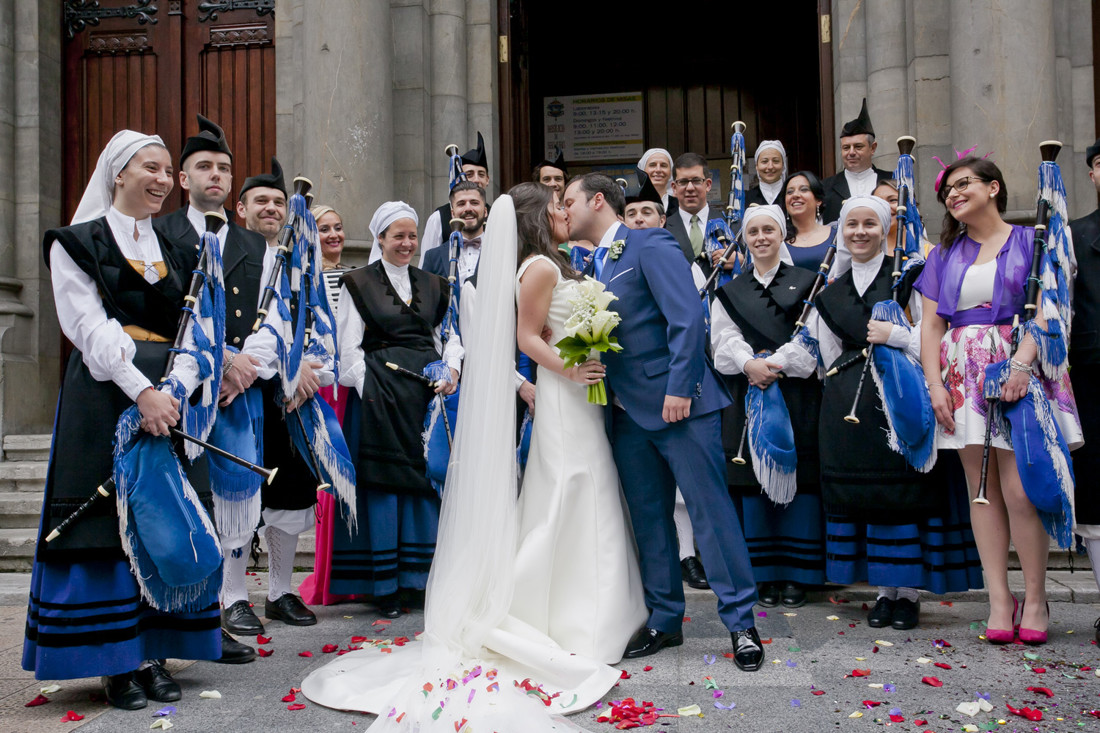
(290, 610)
(882, 614)
(748, 652)
(234, 652)
(767, 595)
(389, 606)
(793, 596)
(650, 641)
(691, 570)
(157, 683)
(906, 614)
(124, 692)
(241, 619)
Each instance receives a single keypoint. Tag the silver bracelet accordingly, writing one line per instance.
(228, 363)
(1019, 366)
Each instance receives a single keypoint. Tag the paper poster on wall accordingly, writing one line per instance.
(594, 126)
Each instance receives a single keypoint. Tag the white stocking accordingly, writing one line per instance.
(280, 552)
(234, 580)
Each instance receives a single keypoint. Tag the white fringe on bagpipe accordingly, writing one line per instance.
(208, 334)
(340, 473)
(923, 460)
(155, 592)
(237, 517)
(778, 483)
(1058, 266)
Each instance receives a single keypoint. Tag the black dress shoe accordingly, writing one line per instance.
(906, 614)
(290, 610)
(124, 692)
(767, 595)
(748, 652)
(389, 606)
(157, 683)
(650, 641)
(882, 614)
(794, 595)
(234, 652)
(239, 618)
(691, 570)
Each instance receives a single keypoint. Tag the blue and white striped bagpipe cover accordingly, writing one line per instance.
(1042, 455)
(302, 284)
(899, 379)
(716, 231)
(166, 533)
(441, 420)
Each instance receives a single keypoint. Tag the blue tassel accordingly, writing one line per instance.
(436, 371)
(771, 441)
(891, 312)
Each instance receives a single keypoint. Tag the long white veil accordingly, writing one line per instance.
(464, 669)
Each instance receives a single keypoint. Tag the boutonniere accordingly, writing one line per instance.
(617, 248)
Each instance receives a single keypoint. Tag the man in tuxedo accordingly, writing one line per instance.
(664, 421)
(467, 202)
(1084, 359)
(860, 176)
(206, 173)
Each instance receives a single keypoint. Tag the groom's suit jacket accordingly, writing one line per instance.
(662, 333)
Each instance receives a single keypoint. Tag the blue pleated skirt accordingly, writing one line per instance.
(86, 619)
(785, 543)
(392, 549)
(936, 554)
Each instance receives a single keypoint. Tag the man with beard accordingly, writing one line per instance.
(206, 173)
(467, 204)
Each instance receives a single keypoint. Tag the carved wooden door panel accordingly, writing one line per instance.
(151, 65)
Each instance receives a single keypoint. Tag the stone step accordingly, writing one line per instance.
(20, 509)
(17, 548)
(23, 475)
(27, 447)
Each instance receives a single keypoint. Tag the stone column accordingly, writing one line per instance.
(929, 38)
(7, 137)
(414, 158)
(481, 93)
(1004, 88)
(887, 77)
(344, 140)
(1079, 107)
(447, 23)
(849, 66)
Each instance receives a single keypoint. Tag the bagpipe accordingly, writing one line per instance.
(722, 235)
(305, 331)
(1042, 454)
(166, 533)
(771, 440)
(911, 423)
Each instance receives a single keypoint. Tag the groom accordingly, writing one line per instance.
(665, 421)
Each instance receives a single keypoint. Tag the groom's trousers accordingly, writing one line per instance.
(651, 465)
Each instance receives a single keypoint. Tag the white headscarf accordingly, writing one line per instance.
(387, 214)
(650, 153)
(771, 191)
(843, 257)
(98, 194)
(776, 214)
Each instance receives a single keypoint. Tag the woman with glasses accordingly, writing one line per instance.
(973, 285)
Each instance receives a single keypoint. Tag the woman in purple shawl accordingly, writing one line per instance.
(974, 283)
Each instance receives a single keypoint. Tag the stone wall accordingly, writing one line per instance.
(30, 203)
(1001, 74)
(370, 92)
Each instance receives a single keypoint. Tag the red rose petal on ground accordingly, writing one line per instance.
(1028, 713)
(305, 654)
(819, 692)
(932, 681)
(40, 700)
(1041, 690)
(897, 719)
(329, 648)
(358, 639)
(943, 665)
(71, 716)
(264, 652)
(871, 704)
(1039, 670)
(625, 675)
(647, 668)
(729, 655)
(289, 698)
(919, 721)
(296, 706)
(861, 673)
(261, 639)
(381, 622)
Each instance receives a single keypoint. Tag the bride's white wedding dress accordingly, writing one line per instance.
(574, 590)
(577, 576)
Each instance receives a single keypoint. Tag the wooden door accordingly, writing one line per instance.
(152, 65)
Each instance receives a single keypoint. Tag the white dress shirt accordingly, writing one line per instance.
(350, 325)
(862, 183)
(703, 215)
(106, 349)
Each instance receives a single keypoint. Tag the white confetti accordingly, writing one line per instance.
(832, 618)
(876, 685)
(968, 708)
(162, 723)
(924, 660)
(50, 689)
(885, 643)
(211, 694)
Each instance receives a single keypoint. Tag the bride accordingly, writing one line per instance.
(527, 601)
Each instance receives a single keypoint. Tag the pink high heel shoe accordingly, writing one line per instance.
(1005, 636)
(1031, 636)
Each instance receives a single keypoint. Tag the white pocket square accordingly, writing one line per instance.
(620, 274)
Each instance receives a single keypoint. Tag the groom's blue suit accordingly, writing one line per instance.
(663, 334)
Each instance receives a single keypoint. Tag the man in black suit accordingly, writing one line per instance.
(206, 173)
(1084, 360)
(690, 185)
(860, 176)
(467, 202)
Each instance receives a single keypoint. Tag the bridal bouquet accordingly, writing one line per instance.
(588, 330)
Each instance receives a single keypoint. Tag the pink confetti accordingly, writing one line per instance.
(40, 700)
(305, 654)
(296, 706)
(71, 716)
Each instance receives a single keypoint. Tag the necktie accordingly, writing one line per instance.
(696, 235)
(598, 260)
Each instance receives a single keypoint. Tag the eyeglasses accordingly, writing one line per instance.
(961, 184)
(685, 182)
